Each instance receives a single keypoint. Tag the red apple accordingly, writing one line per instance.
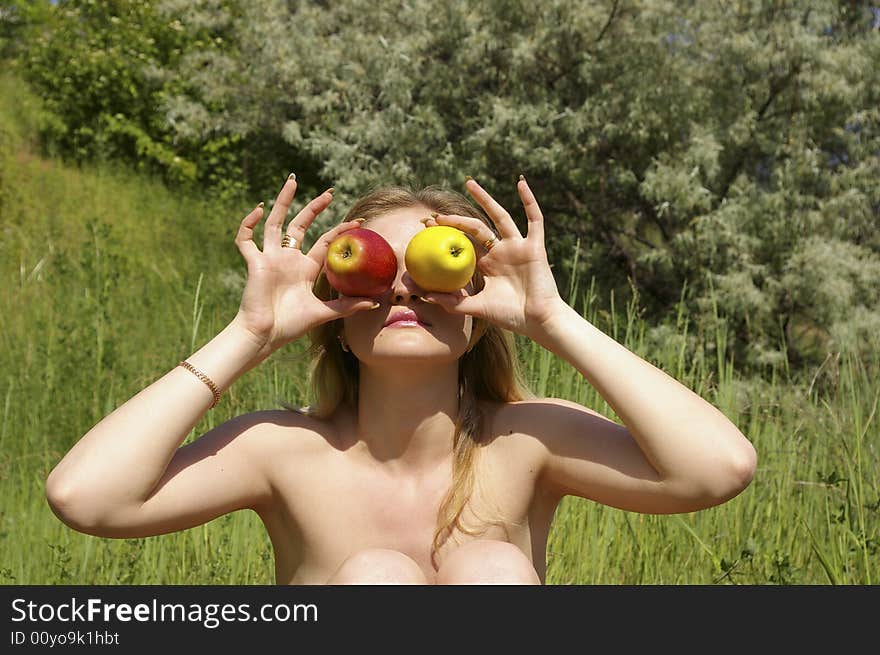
(360, 262)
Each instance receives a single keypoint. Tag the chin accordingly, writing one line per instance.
(399, 352)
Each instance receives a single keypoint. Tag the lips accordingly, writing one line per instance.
(405, 315)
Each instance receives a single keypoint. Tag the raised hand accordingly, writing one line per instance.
(278, 304)
(520, 292)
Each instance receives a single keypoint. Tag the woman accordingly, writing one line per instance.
(425, 459)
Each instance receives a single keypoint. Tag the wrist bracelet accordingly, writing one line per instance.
(204, 378)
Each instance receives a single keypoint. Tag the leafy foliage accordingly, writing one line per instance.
(109, 71)
(685, 148)
(109, 276)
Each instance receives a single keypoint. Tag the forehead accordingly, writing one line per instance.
(400, 225)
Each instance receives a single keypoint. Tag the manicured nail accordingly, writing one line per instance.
(359, 220)
(467, 177)
(292, 176)
(434, 215)
(330, 190)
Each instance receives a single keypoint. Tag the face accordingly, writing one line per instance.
(444, 335)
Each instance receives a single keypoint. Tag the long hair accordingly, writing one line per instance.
(489, 370)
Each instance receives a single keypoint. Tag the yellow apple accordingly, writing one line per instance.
(441, 258)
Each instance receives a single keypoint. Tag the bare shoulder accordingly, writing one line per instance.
(542, 419)
(588, 455)
(549, 406)
(523, 426)
(274, 429)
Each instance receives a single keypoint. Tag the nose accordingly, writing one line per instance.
(404, 287)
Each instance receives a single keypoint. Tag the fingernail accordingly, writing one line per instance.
(292, 176)
(330, 190)
(359, 220)
(467, 177)
(424, 220)
(521, 176)
(375, 306)
(261, 204)
(434, 214)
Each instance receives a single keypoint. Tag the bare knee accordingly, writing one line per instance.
(487, 561)
(378, 566)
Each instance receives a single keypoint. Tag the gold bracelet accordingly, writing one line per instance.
(204, 378)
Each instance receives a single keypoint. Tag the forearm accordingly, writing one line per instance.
(121, 459)
(684, 437)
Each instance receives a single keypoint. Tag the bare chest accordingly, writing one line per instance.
(336, 506)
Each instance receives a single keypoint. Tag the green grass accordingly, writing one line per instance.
(810, 516)
(108, 278)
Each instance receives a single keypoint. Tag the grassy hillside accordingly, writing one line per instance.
(109, 279)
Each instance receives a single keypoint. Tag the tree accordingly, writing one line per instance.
(724, 152)
(108, 69)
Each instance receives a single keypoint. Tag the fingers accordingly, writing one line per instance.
(272, 231)
(296, 229)
(533, 211)
(342, 307)
(318, 251)
(506, 227)
(244, 240)
(459, 302)
(473, 227)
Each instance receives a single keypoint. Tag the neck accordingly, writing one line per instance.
(406, 420)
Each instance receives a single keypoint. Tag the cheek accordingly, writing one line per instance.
(363, 321)
(456, 324)
(351, 325)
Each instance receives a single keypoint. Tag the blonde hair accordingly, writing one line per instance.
(489, 370)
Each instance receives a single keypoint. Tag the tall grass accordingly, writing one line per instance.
(812, 512)
(107, 278)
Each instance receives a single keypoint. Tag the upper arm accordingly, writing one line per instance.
(588, 455)
(220, 472)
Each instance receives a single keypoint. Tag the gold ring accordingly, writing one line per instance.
(285, 242)
(489, 243)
